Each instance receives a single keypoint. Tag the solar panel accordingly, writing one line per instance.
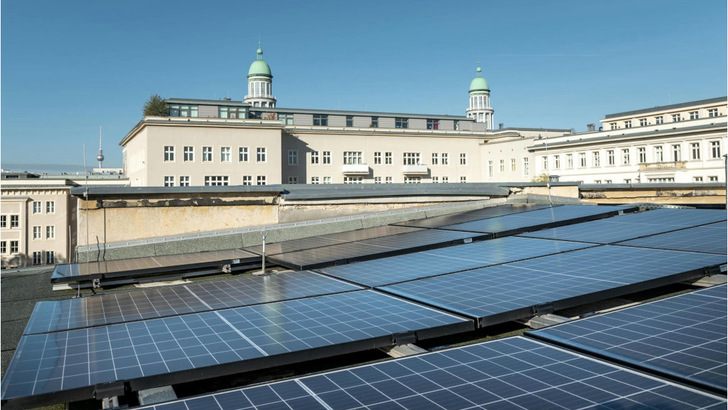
(53, 316)
(372, 248)
(330, 239)
(707, 238)
(385, 271)
(153, 264)
(66, 365)
(632, 226)
(683, 337)
(507, 373)
(518, 290)
(538, 219)
(469, 216)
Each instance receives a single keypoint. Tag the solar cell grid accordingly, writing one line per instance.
(632, 226)
(506, 373)
(424, 264)
(537, 218)
(469, 216)
(511, 291)
(707, 238)
(683, 336)
(162, 350)
(51, 316)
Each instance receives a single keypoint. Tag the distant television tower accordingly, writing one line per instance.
(100, 157)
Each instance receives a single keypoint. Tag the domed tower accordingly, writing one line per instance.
(480, 109)
(260, 83)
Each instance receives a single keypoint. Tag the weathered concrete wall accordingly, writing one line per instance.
(667, 195)
(569, 191)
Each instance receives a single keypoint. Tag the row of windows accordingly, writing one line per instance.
(660, 119)
(188, 154)
(502, 166)
(214, 180)
(14, 221)
(408, 158)
(14, 247)
(659, 155)
(711, 178)
(50, 232)
(50, 207)
(41, 257)
(387, 180)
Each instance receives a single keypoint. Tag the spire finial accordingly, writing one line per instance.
(260, 51)
(100, 157)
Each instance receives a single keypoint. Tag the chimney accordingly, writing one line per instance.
(590, 127)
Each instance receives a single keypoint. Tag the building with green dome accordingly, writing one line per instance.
(480, 109)
(260, 83)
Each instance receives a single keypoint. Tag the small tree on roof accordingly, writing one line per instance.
(155, 106)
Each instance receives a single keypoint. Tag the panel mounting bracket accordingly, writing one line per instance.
(543, 308)
(404, 338)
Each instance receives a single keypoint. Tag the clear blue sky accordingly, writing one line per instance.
(70, 66)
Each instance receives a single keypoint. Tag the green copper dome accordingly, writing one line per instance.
(259, 67)
(479, 83)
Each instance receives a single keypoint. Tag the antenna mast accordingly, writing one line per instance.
(100, 157)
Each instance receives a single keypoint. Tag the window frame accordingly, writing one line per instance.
(169, 153)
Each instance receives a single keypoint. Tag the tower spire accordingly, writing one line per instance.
(100, 157)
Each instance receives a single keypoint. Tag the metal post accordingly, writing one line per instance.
(263, 234)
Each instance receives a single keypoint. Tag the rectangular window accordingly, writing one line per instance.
(445, 159)
(569, 161)
(513, 165)
(610, 157)
(401, 123)
(627, 181)
(3, 247)
(525, 166)
(14, 247)
(445, 180)
(14, 221)
(327, 157)
(713, 112)
(658, 154)
(293, 180)
(168, 181)
(37, 207)
(217, 180)
(411, 158)
(628, 124)
(676, 153)
(712, 178)
(607, 181)
(183, 110)
(490, 169)
(643, 122)
(463, 180)
(433, 124)
(293, 157)
(387, 180)
(625, 156)
(261, 180)
(327, 180)
(377, 158)
(321, 120)
(247, 180)
(184, 180)
(375, 122)
(315, 180)
(37, 258)
(37, 232)
(353, 180)
(168, 153)
(314, 157)
(231, 112)
(435, 180)
(188, 154)
(206, 154)
(349, 120)
(286, 119)
(612, 125)
(659, 119)
(557, 162)
(50, 232)
(642, 155)
(225, 155)
(545, 164)
(388, 158)
(463, 158)
(50, 258)
(582, 159)
(3, 221)
(50, 207)
(412, 180)
(261, 154)
(502, 165)
(661, 180)
(697, 179)
(243, 154)
(377, 180)
(715, 149)
(693, 115)
(596, 159)
(352, 158)
(675, 117)
(695, 150)
(435, 158)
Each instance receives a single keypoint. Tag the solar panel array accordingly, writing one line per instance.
(52, 316)
(144, 266)
(385, 271)
(513, 291)
(709, 238)
(506, 373)
(538, 219)
(632, 226)
(160, 351)
(372, 248)
(469, 216)
(683, 336)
